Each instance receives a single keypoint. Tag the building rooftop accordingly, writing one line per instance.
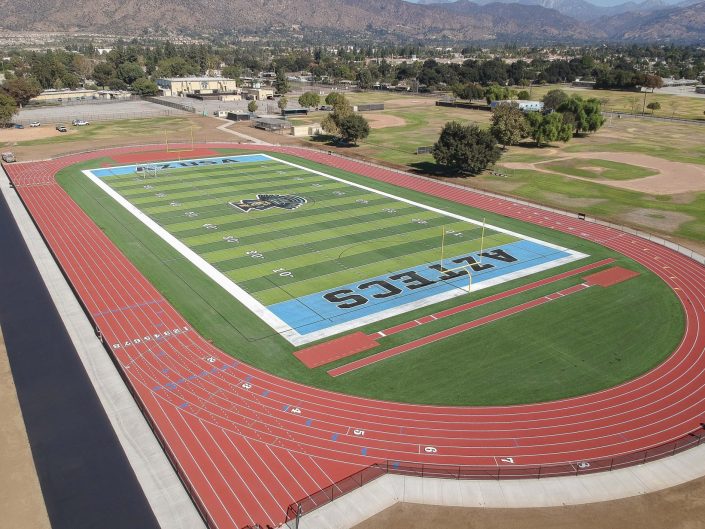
(195, 79)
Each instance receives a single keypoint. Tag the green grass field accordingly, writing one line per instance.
(591, 340)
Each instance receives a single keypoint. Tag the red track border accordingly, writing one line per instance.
(247, 444)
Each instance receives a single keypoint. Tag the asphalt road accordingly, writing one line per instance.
(86, 479)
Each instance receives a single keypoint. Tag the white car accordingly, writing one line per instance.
(35, 124)
(80, 122)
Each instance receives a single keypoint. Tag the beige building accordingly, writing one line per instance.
(73, 95)
(181, 86)
(258, 94)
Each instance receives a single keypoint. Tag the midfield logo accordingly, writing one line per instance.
(265, 202)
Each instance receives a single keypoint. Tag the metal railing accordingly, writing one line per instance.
(465, 472)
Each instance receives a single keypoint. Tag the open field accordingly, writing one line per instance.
(633, 102)
(112, 133)
(670, 202)
(598, 169)
(430, 374)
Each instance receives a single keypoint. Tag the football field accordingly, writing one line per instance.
(313, 254)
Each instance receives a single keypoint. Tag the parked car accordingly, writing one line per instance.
(19, 126)
(35, 124)
(61, 128)
(80, 122)
(8, 157)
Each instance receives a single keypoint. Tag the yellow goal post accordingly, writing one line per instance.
(466, 267)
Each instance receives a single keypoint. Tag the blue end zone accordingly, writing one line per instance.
(368, 297)
(180, 164)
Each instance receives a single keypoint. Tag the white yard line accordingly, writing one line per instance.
(274, 321)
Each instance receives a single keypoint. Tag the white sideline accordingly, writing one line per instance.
(274, 321)
(165, 494)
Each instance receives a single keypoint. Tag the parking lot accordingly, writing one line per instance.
(92, 110)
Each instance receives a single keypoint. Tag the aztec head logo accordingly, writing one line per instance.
(264, 202)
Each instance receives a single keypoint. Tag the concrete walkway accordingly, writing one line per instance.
(355, 507)
(166, 495)
(225, 128)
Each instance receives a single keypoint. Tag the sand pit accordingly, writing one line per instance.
(382, 121)
(672, 178)
(27, 134)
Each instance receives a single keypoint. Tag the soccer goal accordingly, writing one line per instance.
(151, 170)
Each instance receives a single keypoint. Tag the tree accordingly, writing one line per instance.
(523, 95)
(335, 98)
(654, 105)
(252, 106)
(283, 101)
(22, 89)
(468, 91)
(82, 67)
(129, 72)
(509, 124)
(554, 98)
(281, 84)
(586, 115)
(465, 148)
(494, 92)
(232, 72)
(145, 87)
(364, 79)
(549, 127)
(117, 84)
(177, 67)
(102, 73)
(353, 127)
(309, 99)
(8, 108)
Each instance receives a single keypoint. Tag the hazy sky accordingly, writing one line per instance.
(596, 2)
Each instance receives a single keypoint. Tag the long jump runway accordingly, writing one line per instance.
(247, 443)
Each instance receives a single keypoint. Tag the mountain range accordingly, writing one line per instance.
(525, 21)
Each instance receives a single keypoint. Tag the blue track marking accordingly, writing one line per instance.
(314, 312)
(334, 437)
(183, 405)
(308, 422)
(265, 393)
(180, 164)
(363, 451)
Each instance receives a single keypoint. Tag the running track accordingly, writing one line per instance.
(234, 432)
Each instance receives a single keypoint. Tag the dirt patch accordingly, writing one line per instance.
(21, 501)
(681, 507)
(381, 121)
(572, 203)
(667, 221)
(11, 136)
(409, 102)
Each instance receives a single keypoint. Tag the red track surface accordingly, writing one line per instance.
(610, 277)
(327, 352)
(234, 431)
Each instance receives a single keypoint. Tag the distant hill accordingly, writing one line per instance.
(525, 21)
